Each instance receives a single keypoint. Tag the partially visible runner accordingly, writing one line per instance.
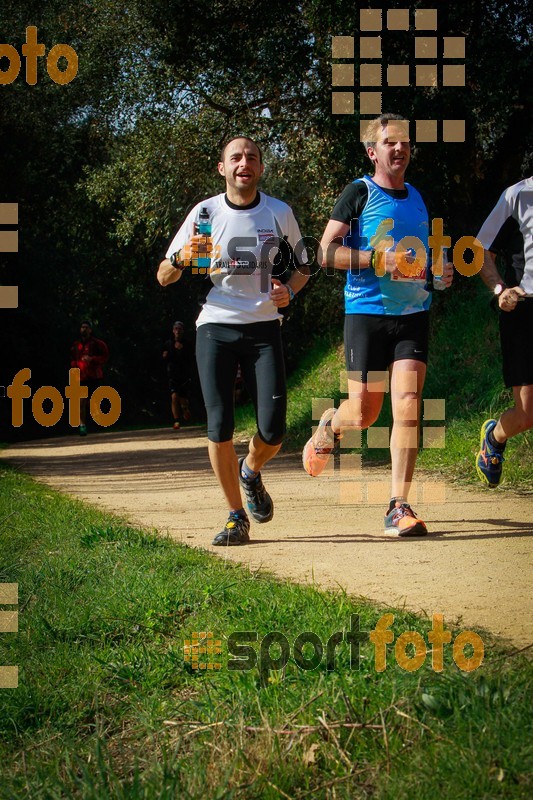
(240, 323)
(177, 358)
(508, 232)
(89, 355)
(387, 298)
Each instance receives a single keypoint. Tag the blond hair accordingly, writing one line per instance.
(374, 126)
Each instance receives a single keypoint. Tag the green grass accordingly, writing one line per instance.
(464, 369)
(107, 706)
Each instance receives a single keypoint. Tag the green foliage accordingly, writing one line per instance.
(105, 168)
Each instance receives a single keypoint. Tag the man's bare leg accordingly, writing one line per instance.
(175, 406)
(224, 462)
(225, 466)
(407, 382)
(260, 453)
(363, 406)
(360, 411)
(517, 419)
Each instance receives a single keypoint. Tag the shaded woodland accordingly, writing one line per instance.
(105, 168)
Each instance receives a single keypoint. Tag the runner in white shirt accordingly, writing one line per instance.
(508, 231)
(244, 233)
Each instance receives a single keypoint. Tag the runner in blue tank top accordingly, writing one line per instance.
(378, 234)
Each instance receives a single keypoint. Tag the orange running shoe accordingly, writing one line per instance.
(402, 521)
(321, 445)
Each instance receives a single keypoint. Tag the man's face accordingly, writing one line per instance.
(242, 167)
(85, 331)
(178, 331)
(390, 154)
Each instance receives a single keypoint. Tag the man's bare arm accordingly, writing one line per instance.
(337, 255)
(489, 271)
(299, 277)
(491, 277)
(167, 274)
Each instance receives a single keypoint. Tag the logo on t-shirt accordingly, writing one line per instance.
(264, 234)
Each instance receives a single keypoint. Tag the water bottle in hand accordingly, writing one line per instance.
(204, 228)
(438, 281)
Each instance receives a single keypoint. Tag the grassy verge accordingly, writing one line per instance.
(107, 706)
(464, 369)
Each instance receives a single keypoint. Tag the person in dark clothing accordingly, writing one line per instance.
(88, 354)
(177, 358)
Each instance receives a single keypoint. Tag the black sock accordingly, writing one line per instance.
(493, 443)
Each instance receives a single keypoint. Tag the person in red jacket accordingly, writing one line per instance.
(89, 355)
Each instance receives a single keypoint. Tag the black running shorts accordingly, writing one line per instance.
(177, 384)
(257, 347)
(516, 336)
(373, 342)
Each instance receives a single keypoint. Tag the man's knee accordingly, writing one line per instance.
(369, 416)
(526, 418)
(272, 438)
(523, 408)
(360, 411)
(220, 426)
(406, 408)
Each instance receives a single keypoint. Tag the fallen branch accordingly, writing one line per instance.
(312, 728)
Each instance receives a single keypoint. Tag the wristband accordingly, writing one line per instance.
(291, 292)
(175, 261)
(373, 260)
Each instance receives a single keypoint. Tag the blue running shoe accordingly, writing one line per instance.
(489, 460)
(258, 500)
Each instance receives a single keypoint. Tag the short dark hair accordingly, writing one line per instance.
(248, 139)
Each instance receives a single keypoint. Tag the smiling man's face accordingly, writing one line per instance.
(390, 155)
(242, 168)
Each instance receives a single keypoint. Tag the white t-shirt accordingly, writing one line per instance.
(509, 227)
(242, 265)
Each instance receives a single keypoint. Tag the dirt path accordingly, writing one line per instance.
(475, 568)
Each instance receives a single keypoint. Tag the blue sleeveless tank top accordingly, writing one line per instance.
(367, 293)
